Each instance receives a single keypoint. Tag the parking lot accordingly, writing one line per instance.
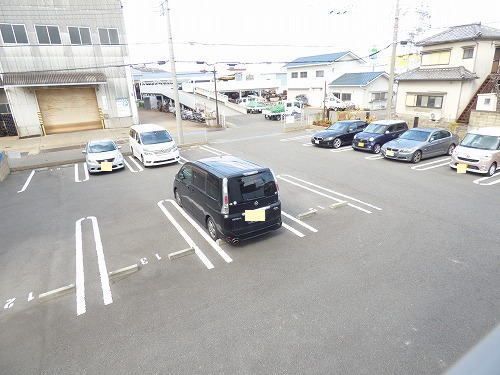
(380, 267)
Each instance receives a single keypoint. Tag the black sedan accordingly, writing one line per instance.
(338, 134)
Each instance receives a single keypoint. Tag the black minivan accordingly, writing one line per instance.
(222, 192)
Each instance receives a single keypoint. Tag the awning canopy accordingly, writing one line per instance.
(51, 79)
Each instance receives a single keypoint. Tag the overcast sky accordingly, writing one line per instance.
(297, 23)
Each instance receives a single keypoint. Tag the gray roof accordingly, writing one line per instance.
(462, 33)
(52, 79)
(356, 79)
(458, 73)
(317, 59)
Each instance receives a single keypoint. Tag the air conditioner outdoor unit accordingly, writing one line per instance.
(434, 116)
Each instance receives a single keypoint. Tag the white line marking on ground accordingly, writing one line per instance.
(85, 171)
(186, 237)
(294, 231)
(77, 178)
(211, 242)
(27, 182)
(139, 168)
(214, 149)
(480, 180)
(30, 296)
(300, 222)
(212, 152)
(343, 149)
(322, 194)
(321, 207)
(433, 166)
(101, 261)
(419, 166)
(295, 138)
(129, 167)
(336, 192)
(307, 144)
(158, 256)
(80, 278)
(184, 159)
(374, 157)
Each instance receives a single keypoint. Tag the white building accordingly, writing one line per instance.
(310, 75)
(367, 90)
(456, 65)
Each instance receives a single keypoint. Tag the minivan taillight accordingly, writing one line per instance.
(275, 182)
(225, 197)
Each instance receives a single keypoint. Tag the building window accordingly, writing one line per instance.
(295, 75)
(346, 97)
(48, 34)
(379, 96)
(320, 73)
(108, 36)
(336, 94)
(79, 35)
(424, 101)
(303, 74)
(15, 34)
(4, 108)
(468, 53)
(487, 101)
(436, 58)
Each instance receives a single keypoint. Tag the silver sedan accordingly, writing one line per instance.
(103, 156)
(417, 144)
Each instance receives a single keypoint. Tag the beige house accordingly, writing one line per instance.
(456, 65)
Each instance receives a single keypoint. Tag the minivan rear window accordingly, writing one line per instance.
(252, 187)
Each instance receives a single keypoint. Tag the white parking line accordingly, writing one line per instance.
(307, 144)
(322, 194)
(25, 186)
(139, 168)
(480, 181)
(374, 157)
(184, 159)
(295, 138)
(85, 171)
(444, 161)
(103, 271)
(80, 278)
(214, 149)
(129, 167)
(212, 152)
(342, 149)
(433, 166)
(186, 237)
(300, 222)
(336, 192)
(200, 230)
(294, 231)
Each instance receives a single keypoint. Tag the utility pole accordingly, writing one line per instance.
(178, 118)
(393, 62)
(216, 102)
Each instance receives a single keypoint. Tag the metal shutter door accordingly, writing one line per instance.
(68, 109)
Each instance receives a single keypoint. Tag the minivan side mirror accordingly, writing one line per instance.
(84, 151)
(387, 132)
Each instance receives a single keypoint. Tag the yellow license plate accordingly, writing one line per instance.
(106, 166)
(255, 215)
(462, 168)
(361, 144)
(389, 153)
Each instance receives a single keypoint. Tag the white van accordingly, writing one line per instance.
(152, 145)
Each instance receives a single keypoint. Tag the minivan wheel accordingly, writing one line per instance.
(492, 169)
(417, 156)
(337, 143)
(376, 149)
(212, 230)
(451, 149)
(178, 198)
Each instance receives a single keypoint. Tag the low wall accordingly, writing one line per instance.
(4, 166)
(484, 118)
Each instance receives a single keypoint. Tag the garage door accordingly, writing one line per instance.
(68, 109)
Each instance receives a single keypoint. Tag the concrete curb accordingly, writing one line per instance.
(56, 292)
(124, 271)
(311, 212)
(338, 205)
(4, 166)
(181, 253)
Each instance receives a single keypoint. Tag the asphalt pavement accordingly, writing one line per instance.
(400, 278)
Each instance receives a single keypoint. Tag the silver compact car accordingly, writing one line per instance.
(103, 156)
(479, 151)
(417, 144)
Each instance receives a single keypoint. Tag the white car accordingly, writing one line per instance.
(152, 145)
(103, 156)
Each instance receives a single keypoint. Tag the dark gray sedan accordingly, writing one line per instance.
(417, 144)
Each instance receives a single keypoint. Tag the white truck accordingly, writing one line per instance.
(282, 109)
(335, 104)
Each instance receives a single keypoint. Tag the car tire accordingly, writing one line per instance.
(178, 199)
(451, 149)
(417, 156)
(376, 148)
(142, 160)
(212, 229)
(492, 169)
(336, 143)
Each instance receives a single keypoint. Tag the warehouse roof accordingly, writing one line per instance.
(30, 79)
(318, 59)
(357, 79)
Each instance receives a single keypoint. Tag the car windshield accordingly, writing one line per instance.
(415, 135)
(483, 142)
(158, 136)
(376, 128)
(252, 187)
(96, 147)
(339, 126)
